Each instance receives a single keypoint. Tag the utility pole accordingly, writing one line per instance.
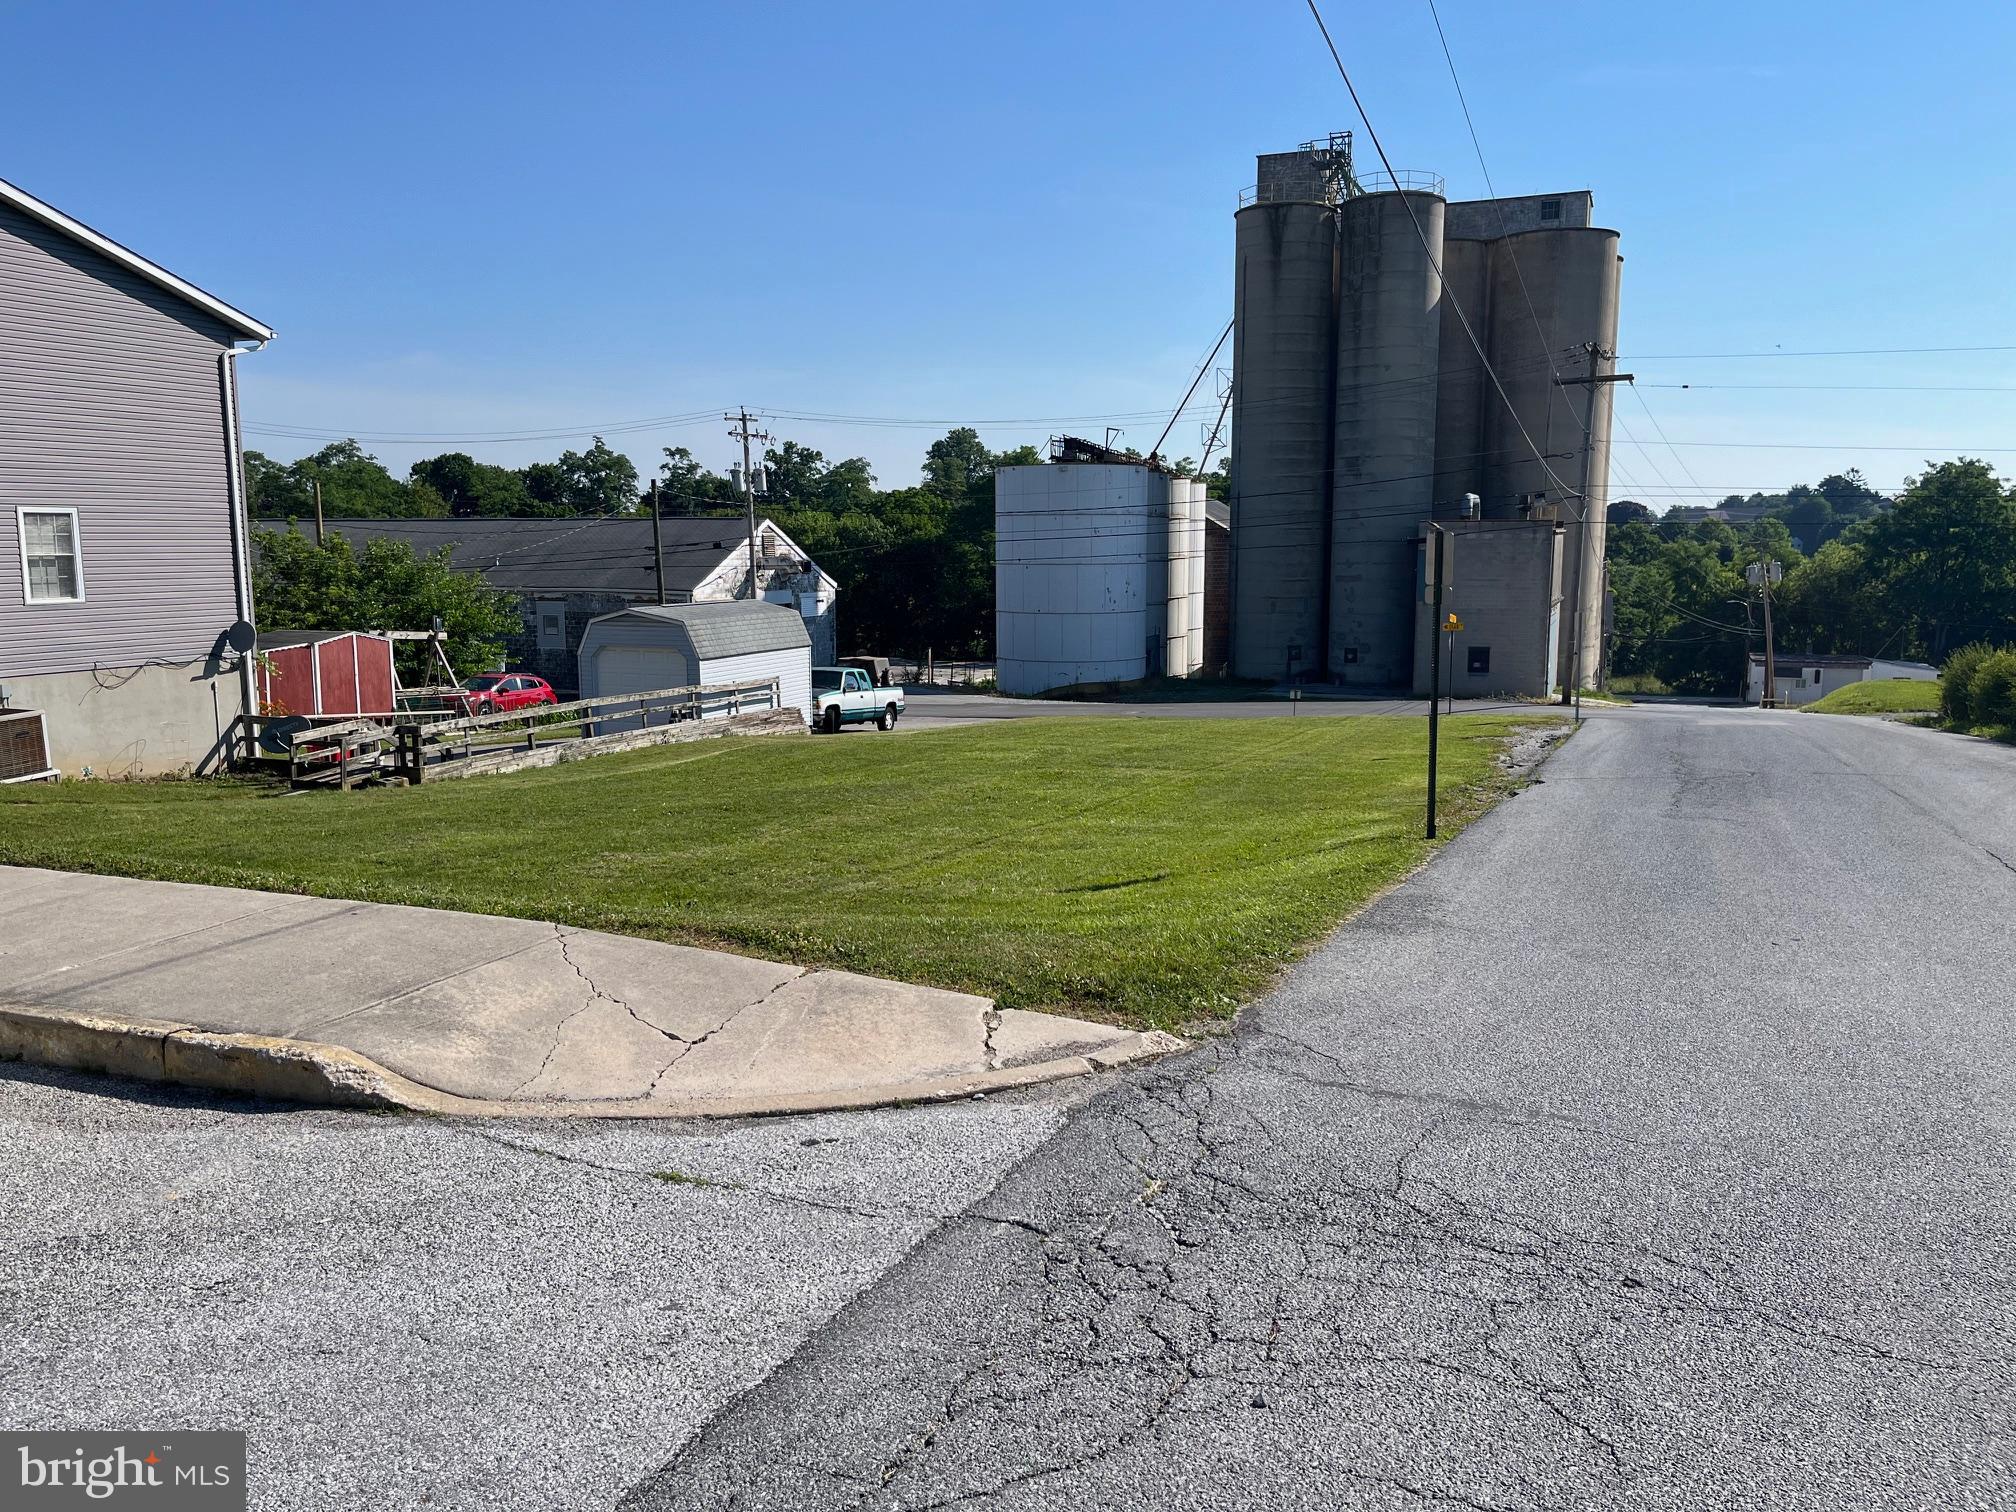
(741, 432)
(1593, 381)
(658, 539)
(318, 513)
(1765, 573)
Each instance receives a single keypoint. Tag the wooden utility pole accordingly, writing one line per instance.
(1593, 382)
(741, 432)
(658, 539)
(1765, 574)
(318, 512)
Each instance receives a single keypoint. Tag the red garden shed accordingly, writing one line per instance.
(325, 672)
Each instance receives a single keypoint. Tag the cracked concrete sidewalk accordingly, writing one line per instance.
(327, 1000)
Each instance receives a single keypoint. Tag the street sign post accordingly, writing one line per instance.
(1437, 559)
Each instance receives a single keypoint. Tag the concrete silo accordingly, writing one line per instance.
(1553, 294)
(1284, 325)
(1389, 316)
(1463, 393)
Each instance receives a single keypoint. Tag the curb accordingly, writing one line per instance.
(305, 1071)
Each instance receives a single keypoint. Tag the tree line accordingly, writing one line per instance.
(1915, 579)
(915, 566)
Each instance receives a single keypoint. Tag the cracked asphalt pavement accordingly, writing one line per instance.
(444, 1313)
(1651, 1148)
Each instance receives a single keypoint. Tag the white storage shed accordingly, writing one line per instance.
(651, 646)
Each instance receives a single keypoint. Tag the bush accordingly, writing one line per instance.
(1956, 702)
(1991, 692)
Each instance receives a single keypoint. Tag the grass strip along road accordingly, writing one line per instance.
(1148, 872)
(1886, 695)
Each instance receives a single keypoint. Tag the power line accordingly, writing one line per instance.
(1434, 261)
(1662, 436)
(1837, 352)
(1850, 388)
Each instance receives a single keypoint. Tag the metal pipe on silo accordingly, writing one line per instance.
(1284, 324)
(1552, 293)
(1389, 334)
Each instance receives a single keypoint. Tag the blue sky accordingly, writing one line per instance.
(471, 219)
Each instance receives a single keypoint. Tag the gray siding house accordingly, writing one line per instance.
(568, 572)
(123, 564)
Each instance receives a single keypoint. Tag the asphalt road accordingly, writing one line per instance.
(435, 1313)
(1652, 1148)
(937, 708)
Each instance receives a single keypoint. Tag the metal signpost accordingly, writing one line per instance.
(1438, 560)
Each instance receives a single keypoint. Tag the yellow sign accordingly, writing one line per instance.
(1451, 625)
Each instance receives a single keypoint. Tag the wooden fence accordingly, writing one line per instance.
(405, 749)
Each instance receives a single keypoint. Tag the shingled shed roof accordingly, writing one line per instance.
(734, 627)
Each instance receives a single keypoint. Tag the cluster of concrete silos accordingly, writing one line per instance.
(1361, 409)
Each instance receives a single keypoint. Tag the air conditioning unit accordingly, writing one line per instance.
(24, 747)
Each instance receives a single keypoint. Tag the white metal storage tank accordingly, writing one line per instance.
(651, 646)
(1182, 570)
(1082, 574)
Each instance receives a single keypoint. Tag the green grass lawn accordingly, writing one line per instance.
(1888, 695)
(1145, 871)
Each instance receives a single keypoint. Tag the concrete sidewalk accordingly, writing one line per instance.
(372, 1004)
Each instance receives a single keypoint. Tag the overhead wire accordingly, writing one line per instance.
(1434, 261)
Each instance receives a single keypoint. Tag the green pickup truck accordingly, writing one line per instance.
(844, 695)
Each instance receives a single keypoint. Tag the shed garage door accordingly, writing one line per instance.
(639, 669)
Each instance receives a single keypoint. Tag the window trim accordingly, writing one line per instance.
(21, 513)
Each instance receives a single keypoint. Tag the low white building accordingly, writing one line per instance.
(650, 646)
(1099, 574)
(1805, 677)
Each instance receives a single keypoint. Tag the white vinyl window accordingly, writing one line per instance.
(52, 557)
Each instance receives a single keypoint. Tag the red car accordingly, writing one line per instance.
(501, 692)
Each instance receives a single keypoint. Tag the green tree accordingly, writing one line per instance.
(599, 481)
(1831, 602)
(955, 461)
(1945, 556)
(469, 487)
(1849, 495)
(275, 490)
(354, 483)
(689, 488)
(297, 585)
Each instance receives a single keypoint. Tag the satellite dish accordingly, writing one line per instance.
(241, 637)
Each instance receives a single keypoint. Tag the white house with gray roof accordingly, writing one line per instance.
(125, 594)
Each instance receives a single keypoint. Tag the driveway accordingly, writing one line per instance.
(939, 708)
(1651, 1148)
